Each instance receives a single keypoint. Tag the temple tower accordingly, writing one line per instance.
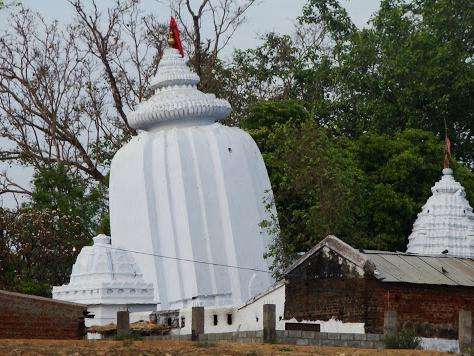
(446, 222)
(188, 195)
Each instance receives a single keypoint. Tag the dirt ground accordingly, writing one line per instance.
(129, 347)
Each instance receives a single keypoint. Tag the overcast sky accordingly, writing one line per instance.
(267, 16)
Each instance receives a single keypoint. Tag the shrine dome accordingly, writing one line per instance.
(105, 275)
(446, 223)
(176, 97)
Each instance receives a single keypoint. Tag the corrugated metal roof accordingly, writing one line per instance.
(402, 267)
(421, 269)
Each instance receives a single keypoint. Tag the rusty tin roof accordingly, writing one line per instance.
(399, 267)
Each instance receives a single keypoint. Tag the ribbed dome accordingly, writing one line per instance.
(102, 273)
(446, 221)
(177, 97)
(104, 263)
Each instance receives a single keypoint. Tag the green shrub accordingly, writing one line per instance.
(404, 339)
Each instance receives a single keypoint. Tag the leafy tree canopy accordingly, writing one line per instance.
(366, 191)
(411, 69)
(39, 242)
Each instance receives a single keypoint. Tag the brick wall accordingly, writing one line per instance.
(323, 288)
(30, 317)
(432, 310)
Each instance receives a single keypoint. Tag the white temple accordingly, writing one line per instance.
(187, 194)
(446, 222)
(106, 280)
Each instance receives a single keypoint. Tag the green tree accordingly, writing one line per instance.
(411, 69)
(66, 193)
(309, 172)
(400, 171)
(40, 241)
(366, 191)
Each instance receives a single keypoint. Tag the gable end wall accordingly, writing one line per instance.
(326, 286)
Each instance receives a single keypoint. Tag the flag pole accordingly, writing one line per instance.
(447, 145)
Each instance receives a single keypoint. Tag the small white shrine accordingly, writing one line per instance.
(106, 280)
(446, 223)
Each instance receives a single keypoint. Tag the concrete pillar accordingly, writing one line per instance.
(465, 331)
(197, 322)
(123, 323)
(269, 323)
(390, 325)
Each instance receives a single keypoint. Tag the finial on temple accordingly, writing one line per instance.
(447, 151)
(174, 39)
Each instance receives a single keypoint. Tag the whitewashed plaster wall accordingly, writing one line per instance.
(107, 314)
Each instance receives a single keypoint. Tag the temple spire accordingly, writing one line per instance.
(447, 146)
(176, 97)
(446, 223)
(447, 151)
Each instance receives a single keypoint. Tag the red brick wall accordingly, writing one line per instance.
(322, 288)
(30, 317)
(433, 310)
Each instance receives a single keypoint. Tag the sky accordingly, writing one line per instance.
(266, 16)
(269, 15)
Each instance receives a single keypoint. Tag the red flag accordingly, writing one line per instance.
(447, 151)
(175, 35)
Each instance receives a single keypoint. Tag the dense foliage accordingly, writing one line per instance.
(39, 241)
(351, 122)
(366, 191)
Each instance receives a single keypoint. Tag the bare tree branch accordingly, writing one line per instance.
(225, 16)
(64, 90)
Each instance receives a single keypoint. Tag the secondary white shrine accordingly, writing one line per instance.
(189, 193)
(446, 222)
(106, 280)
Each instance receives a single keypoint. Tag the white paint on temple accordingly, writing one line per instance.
(446, 222)
(189, 189)
(106, 280)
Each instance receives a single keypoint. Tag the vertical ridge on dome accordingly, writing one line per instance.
(446, 222)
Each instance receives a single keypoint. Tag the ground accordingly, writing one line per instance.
(129, 347)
